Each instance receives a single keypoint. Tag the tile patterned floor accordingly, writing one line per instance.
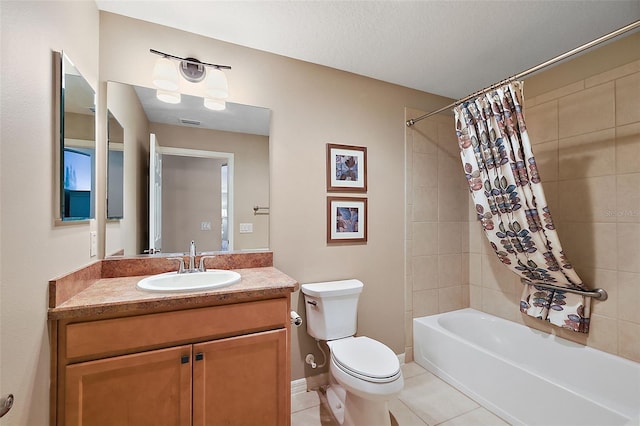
(425, 401)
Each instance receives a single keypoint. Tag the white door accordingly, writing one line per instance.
(155, 195)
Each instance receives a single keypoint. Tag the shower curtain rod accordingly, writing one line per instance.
(538, 67)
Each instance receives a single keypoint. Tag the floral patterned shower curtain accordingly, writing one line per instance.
(511, 207)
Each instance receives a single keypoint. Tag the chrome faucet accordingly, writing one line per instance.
(192, 261)
(192, 257)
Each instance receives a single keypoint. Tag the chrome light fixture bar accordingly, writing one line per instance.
(166, 79)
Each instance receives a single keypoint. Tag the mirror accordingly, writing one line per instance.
(115, 168)
(77, 144)
(214, 166)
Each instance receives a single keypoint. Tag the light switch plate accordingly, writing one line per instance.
(93, 236)
(205, 226)
(246, 228)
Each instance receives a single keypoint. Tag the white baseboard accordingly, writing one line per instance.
(308, 383)
(314, 382)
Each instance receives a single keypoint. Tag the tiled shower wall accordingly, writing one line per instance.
(586, 139)
(437, 222)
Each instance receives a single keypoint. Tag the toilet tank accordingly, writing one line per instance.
(332, 308)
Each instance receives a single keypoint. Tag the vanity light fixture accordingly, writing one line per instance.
(167, 81)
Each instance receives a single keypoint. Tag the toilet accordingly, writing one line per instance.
(364, 373)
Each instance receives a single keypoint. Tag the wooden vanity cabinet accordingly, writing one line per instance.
(218, 365)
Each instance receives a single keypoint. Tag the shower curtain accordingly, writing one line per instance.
(510, 204)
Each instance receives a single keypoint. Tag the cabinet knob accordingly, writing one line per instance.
(184, 359)
(199, 356)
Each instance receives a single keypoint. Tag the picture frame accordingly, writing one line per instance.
(346, 220)
(346, 168)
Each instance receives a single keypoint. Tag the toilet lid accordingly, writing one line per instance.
(366, 358)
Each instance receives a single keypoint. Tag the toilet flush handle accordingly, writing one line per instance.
(312, 302)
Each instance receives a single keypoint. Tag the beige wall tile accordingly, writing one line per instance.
(542, 122)
(628, 247)
(408, 293)
(425, 170)
(452, 205)
(449, 270)
(425, 238)
(425, 273)
(408, 328)
(587, 199)
(447, 139)
(450, 298)
(603, 333)
(613, 74)
(547, 160)
(425, 302)
(425, 137)
(475, 297)
(496, 276)
(475, 236)
(475, 269)
(629, 297)
(629, 340)
(628, 99)
(628, 198)
(588, 155)
(628, 148)
(499, 304)
(587, 111)
(449, 237)
(425, 204)
(593, 245)
(450, 172)
(561, 92)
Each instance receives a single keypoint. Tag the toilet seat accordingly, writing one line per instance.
(366, 359)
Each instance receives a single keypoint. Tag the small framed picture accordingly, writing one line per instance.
(346, 219)
(346, 168)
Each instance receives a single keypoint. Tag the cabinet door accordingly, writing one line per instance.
(148, 388)
(242, 381)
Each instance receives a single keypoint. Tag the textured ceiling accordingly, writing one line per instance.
(450, 48)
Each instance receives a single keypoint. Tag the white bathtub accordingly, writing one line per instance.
(527, 376)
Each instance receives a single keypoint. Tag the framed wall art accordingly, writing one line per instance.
(346, 219)
(346, 168)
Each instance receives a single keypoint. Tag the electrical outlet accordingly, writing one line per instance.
(246, 228)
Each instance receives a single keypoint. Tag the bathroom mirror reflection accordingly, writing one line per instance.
(77, 144)
(202, 196)
(115, 168)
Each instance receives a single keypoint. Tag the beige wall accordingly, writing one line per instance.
(251, 173)
(584, 121)
(311, 106)
(33, 249)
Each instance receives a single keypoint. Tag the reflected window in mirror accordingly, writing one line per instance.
(76, 165)
(115, 168)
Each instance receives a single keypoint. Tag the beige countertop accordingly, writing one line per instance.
(108, 297)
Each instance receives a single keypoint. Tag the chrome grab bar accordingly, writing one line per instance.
(597, 293)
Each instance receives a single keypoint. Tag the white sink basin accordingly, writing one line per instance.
(189, 281)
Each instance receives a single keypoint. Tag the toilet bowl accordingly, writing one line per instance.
(364, 373)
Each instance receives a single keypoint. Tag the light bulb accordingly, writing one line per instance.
(165, 75)
(215, 104)
(216, 84)
(168, 97)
